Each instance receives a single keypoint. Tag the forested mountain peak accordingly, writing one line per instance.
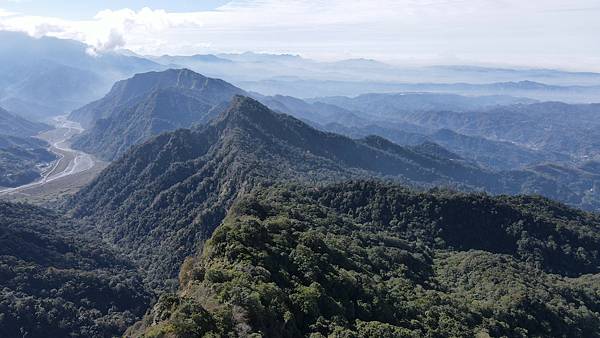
(126, 93)
(169, 193)
(148, 104)
(145, 83)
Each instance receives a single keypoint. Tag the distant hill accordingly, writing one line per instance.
(318, 112)
(365, 259)
(56, 283)
(40, 78)
(392, 106)
(22, 160)
(498, 155)
(148, 104)
(11, 124)
(549, 126)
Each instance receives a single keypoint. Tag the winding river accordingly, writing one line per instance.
(69, 162)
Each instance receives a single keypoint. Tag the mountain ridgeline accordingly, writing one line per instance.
(43, 77)
(146, 105)
(14, 125)
(224, 212)
(365, 259)
(165, 196)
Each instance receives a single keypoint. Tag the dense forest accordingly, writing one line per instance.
(57, 283)
(367, 259)
(166, 196)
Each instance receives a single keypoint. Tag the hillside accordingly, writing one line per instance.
(317, 112)
(44, 77)
(568, 129)
(11, 124)
(146, 105)
(165, 196)
(364, 259)
(392, 106)
(22, 160)
(57, 284)
(494, 154)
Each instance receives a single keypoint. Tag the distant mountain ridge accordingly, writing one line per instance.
(41, 78)
(392, 106)
(12, 124)
(148, 104)
(22, 157)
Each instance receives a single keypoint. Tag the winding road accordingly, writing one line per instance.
(69, 162)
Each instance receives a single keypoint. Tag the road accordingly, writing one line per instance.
(70, 161)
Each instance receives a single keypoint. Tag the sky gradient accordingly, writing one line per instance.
(535, 33)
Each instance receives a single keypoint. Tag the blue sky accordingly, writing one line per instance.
(533, 33)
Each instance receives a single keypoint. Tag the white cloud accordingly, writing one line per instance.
(107, 30)
(514, 31)
(5, 13)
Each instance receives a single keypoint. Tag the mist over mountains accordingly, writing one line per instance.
(44, 77)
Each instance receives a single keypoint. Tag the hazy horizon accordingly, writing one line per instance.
(509, 33)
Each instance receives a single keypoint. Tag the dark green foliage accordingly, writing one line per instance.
(364, 259)
(22, 160)
(164, 197)
(55, 283)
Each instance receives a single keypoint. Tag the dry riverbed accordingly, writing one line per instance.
(69, 173)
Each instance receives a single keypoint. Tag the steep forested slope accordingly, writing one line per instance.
(364, 259)
(167, 195)
(148, 104)
(57, 284)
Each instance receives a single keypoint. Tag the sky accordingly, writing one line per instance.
(534, 33)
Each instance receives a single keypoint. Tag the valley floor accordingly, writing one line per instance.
(70, 172)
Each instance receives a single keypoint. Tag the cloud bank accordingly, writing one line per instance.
(535, 32)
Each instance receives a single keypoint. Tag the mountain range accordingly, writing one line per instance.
(243, 206)
(44, 77)
(41, 78)
(148, 104)
(448, 211)
(192, 176)
(164, 197)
